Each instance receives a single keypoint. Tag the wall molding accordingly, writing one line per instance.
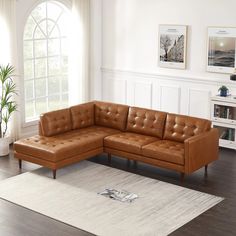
(176, 99)
(175, 94)
(205, 92)
(190, 78)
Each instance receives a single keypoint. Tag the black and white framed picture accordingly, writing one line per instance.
(221, 49)
(172, 46)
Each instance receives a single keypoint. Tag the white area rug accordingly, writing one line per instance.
(160, 209)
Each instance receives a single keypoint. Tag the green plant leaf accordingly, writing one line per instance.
(7, 103)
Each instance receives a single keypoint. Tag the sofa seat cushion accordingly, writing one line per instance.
(65, 145)
(165, 150)
(128, 142)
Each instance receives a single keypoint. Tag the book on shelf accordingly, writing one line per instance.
(231, 134)
(227, 112)
(227, 134)
(217, 111)
(224, 134)
(223, 112)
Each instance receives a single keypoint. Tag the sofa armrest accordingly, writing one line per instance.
(40, 130)
(201, 149)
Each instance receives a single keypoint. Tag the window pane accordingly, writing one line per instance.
(28, 49)
(54, 66)
(53, 47)
(64, 102)
(54, 11)
(43, 27)
(28, 69)
(53, 85)
(55, 33)
(63, 23)
(54, 102)
(38, 34)
(29, 109)
(40, 67)
(64, 47)
(64, 83)
(39, 12)
(29, 89)
(50, 26)
(41, 106)
(40, 47)
(40, 87)
(64, 65)
(29, 28)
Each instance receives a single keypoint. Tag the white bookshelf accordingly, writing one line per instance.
(223, 116)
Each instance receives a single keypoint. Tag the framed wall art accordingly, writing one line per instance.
(221, 49)
(172, 46)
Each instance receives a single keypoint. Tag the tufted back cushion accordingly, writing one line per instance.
(82, 115)
(111, 115)
(179, 127)
(55, 122)
(144, 121)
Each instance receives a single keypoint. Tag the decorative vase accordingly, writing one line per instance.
(4, 146)
(223, 93)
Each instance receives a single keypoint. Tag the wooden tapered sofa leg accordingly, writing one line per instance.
(20, 163)
(205, 173)
(54, 174)
(109, 158)
(182, 175)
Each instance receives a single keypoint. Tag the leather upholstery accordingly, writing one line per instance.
(144, 121)
(69, 135)
(179, 128)
(56, 122)
(64, 145)
(82, 115)
(111, 115)
(148, 160)
(129, 142)
(165, 150)
(201, 150)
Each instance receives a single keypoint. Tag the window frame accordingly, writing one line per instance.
(67, 5)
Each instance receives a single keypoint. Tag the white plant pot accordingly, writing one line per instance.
(4, 146)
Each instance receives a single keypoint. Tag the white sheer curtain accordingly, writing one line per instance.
(79, 52)
(8, 52)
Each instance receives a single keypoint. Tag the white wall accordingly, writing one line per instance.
(130, 31)
(130, 53)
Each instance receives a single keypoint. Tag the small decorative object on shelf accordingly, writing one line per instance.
(233, 76)
(223, 91)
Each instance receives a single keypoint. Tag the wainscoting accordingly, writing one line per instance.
(184, 95)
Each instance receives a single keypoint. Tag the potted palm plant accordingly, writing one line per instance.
(7, 105)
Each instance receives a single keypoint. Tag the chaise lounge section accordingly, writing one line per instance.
(177, 142)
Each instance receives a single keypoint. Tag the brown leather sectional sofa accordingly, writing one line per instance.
(172, 141)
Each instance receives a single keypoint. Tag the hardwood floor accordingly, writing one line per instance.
(218, 221)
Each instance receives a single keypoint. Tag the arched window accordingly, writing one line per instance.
(45, 59)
